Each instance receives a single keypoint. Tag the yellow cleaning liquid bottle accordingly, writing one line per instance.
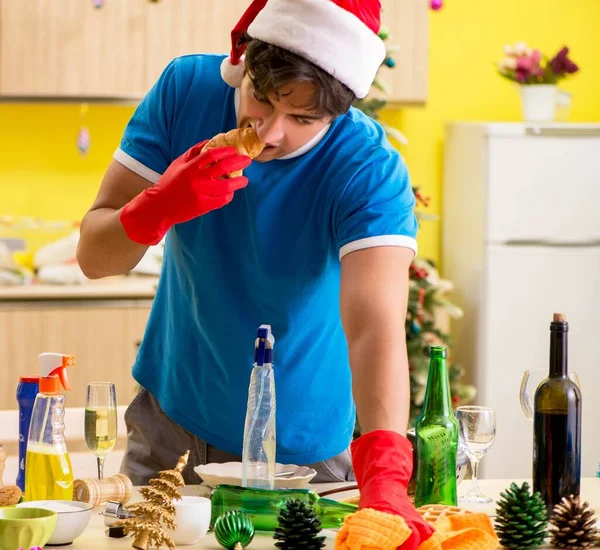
(48, 472)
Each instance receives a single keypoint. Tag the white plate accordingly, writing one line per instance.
(230, 473)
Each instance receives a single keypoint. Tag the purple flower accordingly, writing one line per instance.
(561, 64)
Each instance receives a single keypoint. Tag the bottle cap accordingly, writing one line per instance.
(263, 346)
(30, 379)
(50, 384)
(56, 363)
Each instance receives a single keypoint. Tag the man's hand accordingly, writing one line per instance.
(189, 188)
(374, 295)
(383, 462)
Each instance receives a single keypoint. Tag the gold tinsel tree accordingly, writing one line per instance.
(157, 511)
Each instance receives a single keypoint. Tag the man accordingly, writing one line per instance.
(315, 239)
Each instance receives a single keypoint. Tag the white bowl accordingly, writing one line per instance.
(230, 473)
(72, 518)
(192, 516)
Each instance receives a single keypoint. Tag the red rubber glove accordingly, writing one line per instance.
(383, 462)
(189, 188)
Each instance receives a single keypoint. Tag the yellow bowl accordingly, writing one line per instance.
(25, 527)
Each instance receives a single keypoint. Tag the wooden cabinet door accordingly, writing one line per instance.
(407, 22)
(181, 27)
(102, 339)
(70, 48)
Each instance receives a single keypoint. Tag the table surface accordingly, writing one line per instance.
(95, 538)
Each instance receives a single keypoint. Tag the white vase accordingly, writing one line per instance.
(539, 102)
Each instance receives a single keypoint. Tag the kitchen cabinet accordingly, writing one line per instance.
(180, 27)
(68, 48)
(407, 23)
(101, 334)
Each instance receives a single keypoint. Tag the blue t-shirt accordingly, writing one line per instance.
(272, 256)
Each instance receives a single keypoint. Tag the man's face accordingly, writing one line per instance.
(279, 119)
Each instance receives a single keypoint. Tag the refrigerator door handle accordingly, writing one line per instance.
(557, 131)
(553, 244)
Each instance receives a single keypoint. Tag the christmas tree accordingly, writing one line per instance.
(157, 508)
(427, 291)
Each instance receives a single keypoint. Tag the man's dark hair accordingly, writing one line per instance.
(270, 68)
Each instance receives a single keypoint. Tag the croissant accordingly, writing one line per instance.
(245, 141)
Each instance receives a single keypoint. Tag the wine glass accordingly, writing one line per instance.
(101, 421)
(477, 431)
(531, 380)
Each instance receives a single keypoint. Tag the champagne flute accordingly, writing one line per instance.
(477, 431)
(101, 421)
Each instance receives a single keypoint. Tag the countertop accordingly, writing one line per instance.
(129, 287)
(94, 537)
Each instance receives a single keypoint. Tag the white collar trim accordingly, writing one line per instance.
(298, 152)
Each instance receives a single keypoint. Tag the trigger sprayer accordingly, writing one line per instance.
(48, 472)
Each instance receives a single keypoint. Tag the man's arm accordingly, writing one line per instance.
(104, 248)
(374, 296)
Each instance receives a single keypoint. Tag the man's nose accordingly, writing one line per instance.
(270, 130)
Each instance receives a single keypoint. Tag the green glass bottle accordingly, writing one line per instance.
(263, 505)
(436, 434)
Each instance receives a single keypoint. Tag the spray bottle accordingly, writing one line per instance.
(48, 471)
(258, 455)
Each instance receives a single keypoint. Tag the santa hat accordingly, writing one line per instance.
(339, 36)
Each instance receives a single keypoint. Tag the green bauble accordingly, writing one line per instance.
(234, 530)
(521, 520)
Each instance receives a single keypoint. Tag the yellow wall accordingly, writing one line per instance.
(41, 170)
(466, 38)
(42, 173)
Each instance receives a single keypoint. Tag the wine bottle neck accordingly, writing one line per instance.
(559, 350)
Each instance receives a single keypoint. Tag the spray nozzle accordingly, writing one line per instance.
(263, 347)
(56, 364)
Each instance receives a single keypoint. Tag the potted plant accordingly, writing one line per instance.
(537, 77)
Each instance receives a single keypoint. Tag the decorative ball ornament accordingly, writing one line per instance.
(234, 530)
(436, 5)
(83, 140)
(97, 3)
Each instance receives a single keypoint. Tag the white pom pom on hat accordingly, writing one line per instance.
(339, 36)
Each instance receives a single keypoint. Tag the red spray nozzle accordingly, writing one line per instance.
(56, 364)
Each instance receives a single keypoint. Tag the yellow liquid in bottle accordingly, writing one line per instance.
(48, 475)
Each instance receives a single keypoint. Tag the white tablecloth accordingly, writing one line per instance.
(95, 538)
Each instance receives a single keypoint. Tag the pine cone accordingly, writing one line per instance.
(521, 520)
(299, 526)
(573, 525)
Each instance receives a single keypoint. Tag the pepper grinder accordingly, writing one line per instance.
(93, 491)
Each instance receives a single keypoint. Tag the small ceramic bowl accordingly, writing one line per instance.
(192, 515)
(25, 527)
(287, 476)
(72, 518)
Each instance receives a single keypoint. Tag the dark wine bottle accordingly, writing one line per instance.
(557, 425)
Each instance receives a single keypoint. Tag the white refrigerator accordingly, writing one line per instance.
(521, 241)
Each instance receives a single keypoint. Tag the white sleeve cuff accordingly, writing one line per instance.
(381, 240)
(136, 166)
